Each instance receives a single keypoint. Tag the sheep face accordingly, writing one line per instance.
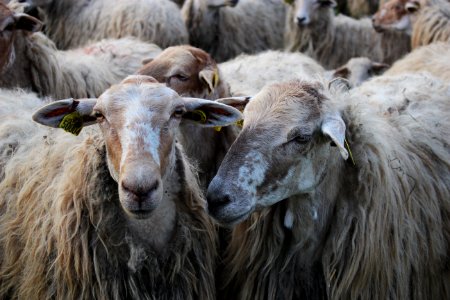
(10, 25)
(308, 11)
(188, 70)
(360, 69)
(283, 150)
(138, 119)
(395, 15)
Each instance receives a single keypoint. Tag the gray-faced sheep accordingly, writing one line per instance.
(225, 31)
(115, 213)
(425, 59)
(357, 70)
(341, 195)
(191, 72)
(426, 21)
(31, 61)
(312, 28)
(74, 23)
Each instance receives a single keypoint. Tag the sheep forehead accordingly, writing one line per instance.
(176, 60)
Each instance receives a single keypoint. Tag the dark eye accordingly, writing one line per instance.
(98, 115)
(178, 112)
(180, 77)
(302, 139)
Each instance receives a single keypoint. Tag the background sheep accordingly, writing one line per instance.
(225, 31)
(425, 59)
(357, 70)
(99, 217)
(312, 28)
(426, 21)
(374, 225)
(73, 23)
(358, 8)
(191, 72)
(31, 61)
(248, 74)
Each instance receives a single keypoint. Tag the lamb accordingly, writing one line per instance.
(191, 72)
(103, 217)
(225, 32)
(332, 40)
(426, 21)
(357, 70)
(425, 59)
(31, 61)
(341, 194)
(74, 23)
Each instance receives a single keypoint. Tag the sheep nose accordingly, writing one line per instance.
(139, 193)
(301, 20)
(217, 198)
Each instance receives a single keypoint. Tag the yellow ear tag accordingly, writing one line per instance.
(240, 123)
(215, 79)
(349, 152)
(72, 123)
(201, 114)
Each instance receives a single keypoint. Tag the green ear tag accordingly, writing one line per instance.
(201, 114)
(240, 123)
(72, 123)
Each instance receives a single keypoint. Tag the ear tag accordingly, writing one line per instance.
(72, 123)
(289, 1)
(201, 114)
(218, 128)
(215, 79)
(240, 123)
(349, 152)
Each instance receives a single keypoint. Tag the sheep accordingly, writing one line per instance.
(332, 40)
(224, 32)
(425, 59)
(30, 60)
(115, 213)
(74, 23)
(339, 194)
(191, 72)
(357, 8)
(248, 74)
(357, 70)
(426, 21)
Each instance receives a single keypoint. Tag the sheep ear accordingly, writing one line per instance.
(210, 78)
(334, 127)
(237, 102)
(147, 60)
(342, 72)
(378, 68)
(27, 22)
(69, 114)
(412, 6)
(209, 113)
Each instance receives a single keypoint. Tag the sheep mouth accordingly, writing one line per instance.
(231, 221)
(139, 214)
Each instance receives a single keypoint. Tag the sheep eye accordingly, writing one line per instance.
(180, 77)
(178, 112)
(302, 139)
(98, 114)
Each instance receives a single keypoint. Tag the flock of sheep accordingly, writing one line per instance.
(239, 149)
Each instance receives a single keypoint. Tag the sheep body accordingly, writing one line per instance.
(65, 235)
(73, 23)
(248, 74)
(225, 32)
(376, 229)
(425, 59)
(79, 73)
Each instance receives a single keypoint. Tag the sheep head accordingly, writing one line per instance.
(283, 150)
(395, 15)
(359, 69)
(11, 24)
(222, 3)
(308, 11)
(138, 119)
(188, 70)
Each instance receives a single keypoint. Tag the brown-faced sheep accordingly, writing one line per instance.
(357, 70)
(74, 23)
(225, 31)
(426, 21)
(115, 213)
(31, 61)
(312, 28)
(341, 195)
(191, 72)
(425, 59)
